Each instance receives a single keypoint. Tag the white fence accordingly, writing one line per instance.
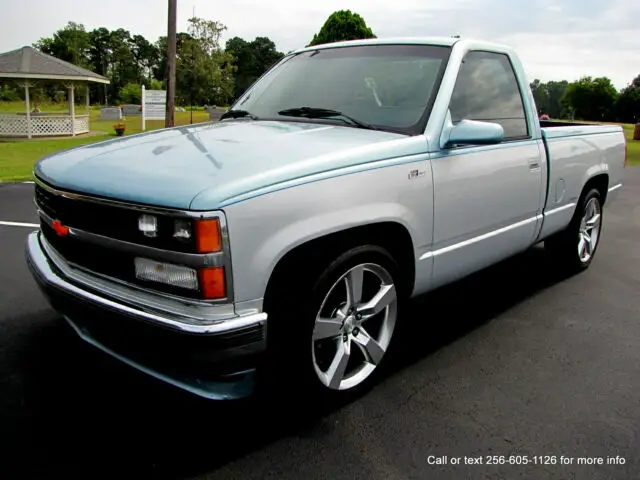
(42, 126)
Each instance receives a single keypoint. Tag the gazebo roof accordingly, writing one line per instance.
(29, 63)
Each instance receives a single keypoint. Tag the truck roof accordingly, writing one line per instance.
(437, 41)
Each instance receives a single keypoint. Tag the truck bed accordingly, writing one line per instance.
(576, 152)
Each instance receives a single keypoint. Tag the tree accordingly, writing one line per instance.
(123, 67)
(251, 60)
(100, 58)
(540, 96)
(160, 68)
(145, 55)
(628, 103)
(548, 97)
(71, 44)
(342, 25)
(204, 71)
(591, 99)
(556, 91)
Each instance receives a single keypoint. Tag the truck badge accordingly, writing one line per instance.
(59, 228)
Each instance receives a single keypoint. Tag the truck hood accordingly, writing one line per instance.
(203, 167)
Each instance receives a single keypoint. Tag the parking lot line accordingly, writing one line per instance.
(19, 224)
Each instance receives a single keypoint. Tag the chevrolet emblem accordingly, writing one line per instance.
(59, 228)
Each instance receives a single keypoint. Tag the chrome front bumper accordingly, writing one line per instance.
(205, 349)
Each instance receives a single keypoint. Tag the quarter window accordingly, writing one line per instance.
(487, 90)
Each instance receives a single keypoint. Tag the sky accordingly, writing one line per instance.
(556, 39)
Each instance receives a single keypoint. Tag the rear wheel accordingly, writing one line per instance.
(575, 247)
(329, 333)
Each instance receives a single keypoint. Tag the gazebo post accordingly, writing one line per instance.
(72, 108)
(28, 107)
(88, 107)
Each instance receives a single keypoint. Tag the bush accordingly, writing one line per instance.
(131, 93)
(9, 94)
(156, 85)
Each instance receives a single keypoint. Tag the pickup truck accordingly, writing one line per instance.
(278, 245)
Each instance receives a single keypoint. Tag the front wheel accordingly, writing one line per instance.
(353, 325)
(331, 336)
(575, 247)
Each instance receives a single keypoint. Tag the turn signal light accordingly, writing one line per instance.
(208, 235)
(212, 283)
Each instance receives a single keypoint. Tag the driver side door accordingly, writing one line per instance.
(487, 197)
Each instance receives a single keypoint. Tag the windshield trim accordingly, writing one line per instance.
(417, 128)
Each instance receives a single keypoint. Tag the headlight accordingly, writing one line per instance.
(201, 235)
(175, 275)
(148, 225)
(182, 230)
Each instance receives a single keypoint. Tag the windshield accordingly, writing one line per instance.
(390, 87)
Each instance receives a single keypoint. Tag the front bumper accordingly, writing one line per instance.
(214, 359)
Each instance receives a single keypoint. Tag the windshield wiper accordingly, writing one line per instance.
(238, 114)
(312, 112)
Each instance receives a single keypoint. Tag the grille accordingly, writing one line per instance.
(111, 221)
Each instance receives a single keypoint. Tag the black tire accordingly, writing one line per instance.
(292, 307)
(564, 246)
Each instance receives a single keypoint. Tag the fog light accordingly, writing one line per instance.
(175, 275)
(148, 224)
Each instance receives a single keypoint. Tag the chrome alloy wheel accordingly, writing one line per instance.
(360, 309)
(589, 233)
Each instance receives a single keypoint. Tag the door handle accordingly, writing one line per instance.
(534, 166)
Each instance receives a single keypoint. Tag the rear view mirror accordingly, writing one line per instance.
(472, 132)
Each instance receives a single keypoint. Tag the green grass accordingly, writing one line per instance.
(633, 146)
(18, 157)
(633, 151)
(15, 107)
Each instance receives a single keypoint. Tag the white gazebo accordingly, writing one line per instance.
(26, 66)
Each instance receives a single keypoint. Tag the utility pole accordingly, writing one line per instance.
(171, 66)
(191, 86)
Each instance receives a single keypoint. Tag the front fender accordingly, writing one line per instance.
(264, 229)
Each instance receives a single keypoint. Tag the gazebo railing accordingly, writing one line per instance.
(42, 125)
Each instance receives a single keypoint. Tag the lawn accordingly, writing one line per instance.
(18, 157)
(633, 146)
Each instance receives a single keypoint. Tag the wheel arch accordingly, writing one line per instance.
(600, 182)
(318, 251)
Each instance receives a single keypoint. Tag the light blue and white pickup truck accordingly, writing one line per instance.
(284, 239)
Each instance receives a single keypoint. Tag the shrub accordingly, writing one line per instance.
(131, 93)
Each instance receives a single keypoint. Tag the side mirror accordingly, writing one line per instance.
(472, 132)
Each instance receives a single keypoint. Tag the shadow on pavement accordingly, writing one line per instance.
(74, 412)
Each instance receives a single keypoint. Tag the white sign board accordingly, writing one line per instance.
(154, 105)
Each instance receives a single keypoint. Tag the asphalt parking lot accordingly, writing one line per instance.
(512, 361)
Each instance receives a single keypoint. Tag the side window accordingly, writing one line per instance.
(486, 89)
